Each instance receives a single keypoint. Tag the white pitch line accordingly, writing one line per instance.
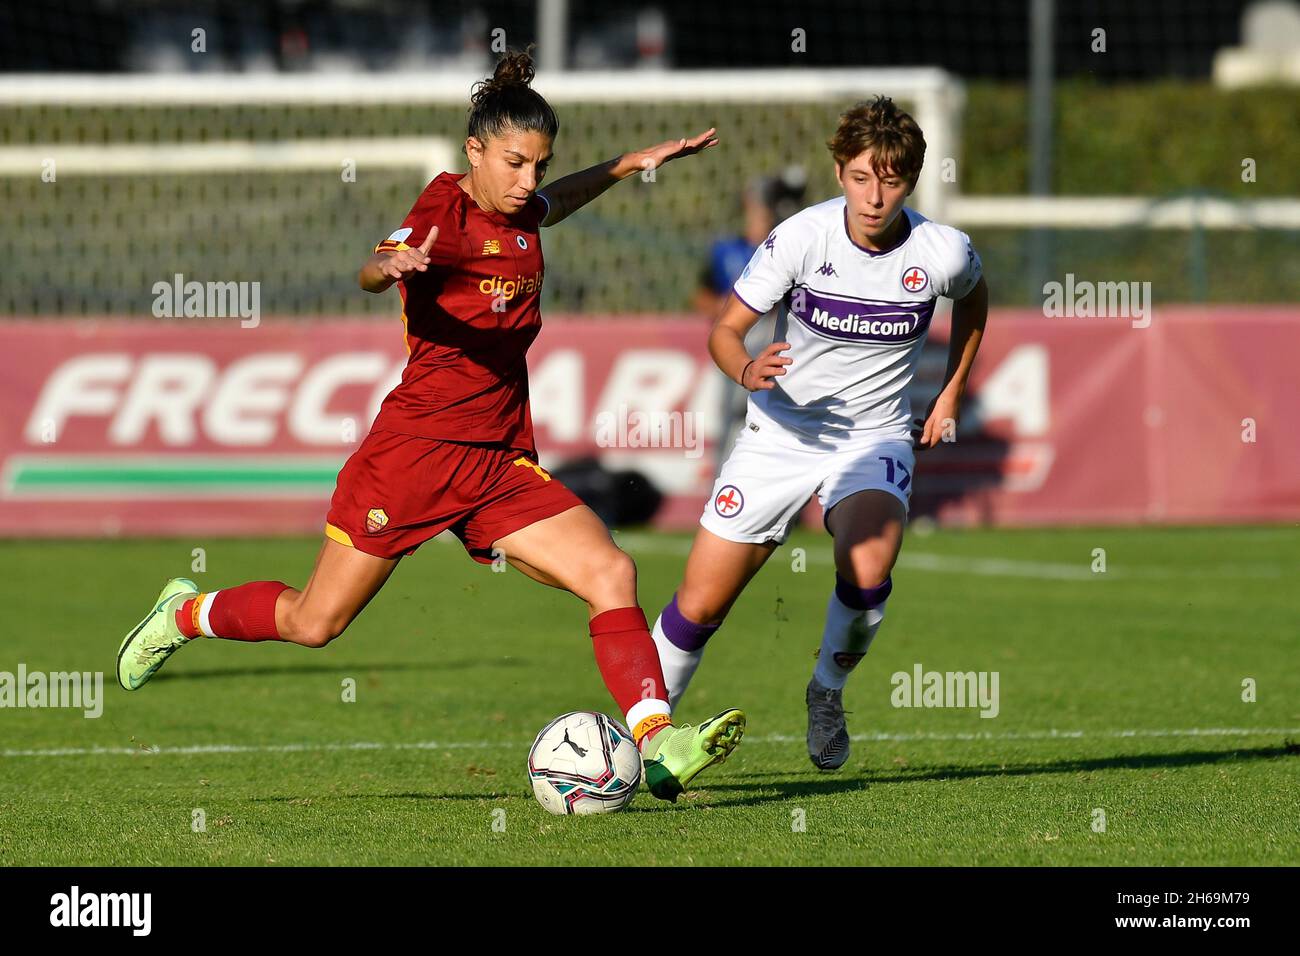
(765, 739)
(984, 567)
(918, 560)
(998, 567)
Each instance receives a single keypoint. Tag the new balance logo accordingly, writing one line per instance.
(827, 269)
(580, 751)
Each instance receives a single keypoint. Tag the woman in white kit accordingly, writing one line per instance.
(859, 277)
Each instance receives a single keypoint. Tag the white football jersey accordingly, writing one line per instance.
(855, 320)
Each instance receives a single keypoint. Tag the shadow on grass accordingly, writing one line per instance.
(810, 783)
(351, 670)
(813, 783)
(493, 798)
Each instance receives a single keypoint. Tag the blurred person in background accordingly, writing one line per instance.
(766, 202)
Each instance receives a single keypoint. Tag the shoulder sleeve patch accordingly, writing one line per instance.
(396, 242)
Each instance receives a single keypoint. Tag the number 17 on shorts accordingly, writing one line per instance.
(764, 485)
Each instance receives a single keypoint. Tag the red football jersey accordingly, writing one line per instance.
(469, 320)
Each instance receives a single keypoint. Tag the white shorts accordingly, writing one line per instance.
(769, 477)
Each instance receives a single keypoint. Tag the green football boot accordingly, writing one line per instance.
(677, 755)
(155, 638)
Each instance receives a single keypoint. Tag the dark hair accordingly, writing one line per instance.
(508, 101)
(895, 141)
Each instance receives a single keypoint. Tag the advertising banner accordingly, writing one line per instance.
(161, 427)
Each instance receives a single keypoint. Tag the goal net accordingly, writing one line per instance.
(289, 180)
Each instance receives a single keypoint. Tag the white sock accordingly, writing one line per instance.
(645, 718)
(845, 640)
(679, 666)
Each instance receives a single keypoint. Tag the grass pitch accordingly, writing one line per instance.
(1120, 694)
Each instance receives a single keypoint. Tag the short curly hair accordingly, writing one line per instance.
(890, 134)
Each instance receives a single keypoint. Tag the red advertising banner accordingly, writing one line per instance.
(1094, 420)
(148, 427)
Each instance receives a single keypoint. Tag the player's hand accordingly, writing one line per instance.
(408, 261)
(762, 373)
(941, 416)
(656, 156)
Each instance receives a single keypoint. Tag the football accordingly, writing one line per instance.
(584, 763)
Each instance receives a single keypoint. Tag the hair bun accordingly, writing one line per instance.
(514, 69)
(506, 100)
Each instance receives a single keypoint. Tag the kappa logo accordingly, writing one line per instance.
(491, 247)
(729, 501)
(915, 279)
(770, 242)
(375, 520)
(827, 269)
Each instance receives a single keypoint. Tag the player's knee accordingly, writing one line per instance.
(702, 607)
(867, 574)
(612, 579)
(620, 571)
(864, 566)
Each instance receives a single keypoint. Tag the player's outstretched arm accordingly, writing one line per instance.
(969, 316)
(384, 268)
(727, 346)
(569, 194)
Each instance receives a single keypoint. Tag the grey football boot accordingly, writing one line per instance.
(828, 737)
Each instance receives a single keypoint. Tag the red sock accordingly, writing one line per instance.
(629, 665)
(244, 613)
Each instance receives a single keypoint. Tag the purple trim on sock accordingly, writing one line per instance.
(684, 634)
(860, 599)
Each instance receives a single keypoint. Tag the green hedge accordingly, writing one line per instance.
(1147, 140)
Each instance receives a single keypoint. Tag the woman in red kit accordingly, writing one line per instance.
(452, 446)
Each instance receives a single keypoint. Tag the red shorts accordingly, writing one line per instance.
(398, 491)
